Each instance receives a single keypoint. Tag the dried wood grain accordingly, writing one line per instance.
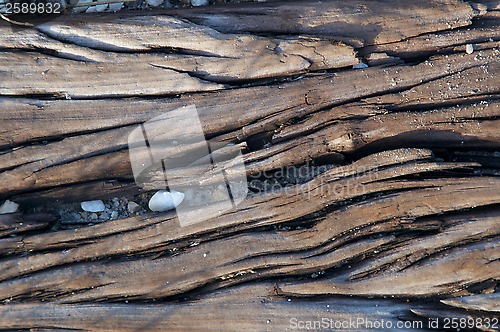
(185, 56)
(16, 223)
(217, 110)
(441, 274)
(410, 209)
(60, 162)
(370, 22)
(481, 302)
(250, 307)
(341, 177)
(255, 256)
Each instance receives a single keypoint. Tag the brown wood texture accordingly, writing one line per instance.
(404, 227)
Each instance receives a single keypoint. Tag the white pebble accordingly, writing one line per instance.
(469, 48)
(197, 3)
(164, 200)
(80, 9)
(93, 206)
(360, 65)
(8, 207)
(154, 3)
(101, 8)
(114, 7)
(133, 207)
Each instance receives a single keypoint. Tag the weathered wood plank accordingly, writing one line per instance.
(173, 57)
(60, 162)
(253, 307)
(46, 75)
(109, 284)
(483, 30)
(21, 40)
(410, 223)
(217, 110)
(371, 22)
(15, 223)
(442, 274)
(481, 302)
(342, 178)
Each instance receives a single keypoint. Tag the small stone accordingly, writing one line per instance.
(164, 200)
(104, 216)
(114, 215)
(469, 49)
(8, 207)
(197, 3)
(93, 206)
(93, 216)
(133, 207)
(80, 9)
(101, 8)
(114, 7)
(480, 9)
(73, 217)
(154, 3)
(360, 65)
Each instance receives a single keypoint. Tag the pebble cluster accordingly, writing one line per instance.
(103, 6)
(73, 215)
(112, 209)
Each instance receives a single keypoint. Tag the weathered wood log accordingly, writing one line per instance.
(104, 247)
(407, 207)
(250, 307)
(15, 223)
(41, 165)
(371, 22)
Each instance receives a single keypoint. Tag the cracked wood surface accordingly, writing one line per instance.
(410, 211)
(368, 22)
(101, 154)
(204, 58)
(259, 211)
(254, 307)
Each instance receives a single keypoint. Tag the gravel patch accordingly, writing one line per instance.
(72, 215)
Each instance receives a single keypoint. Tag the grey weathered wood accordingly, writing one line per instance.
(410, 209)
